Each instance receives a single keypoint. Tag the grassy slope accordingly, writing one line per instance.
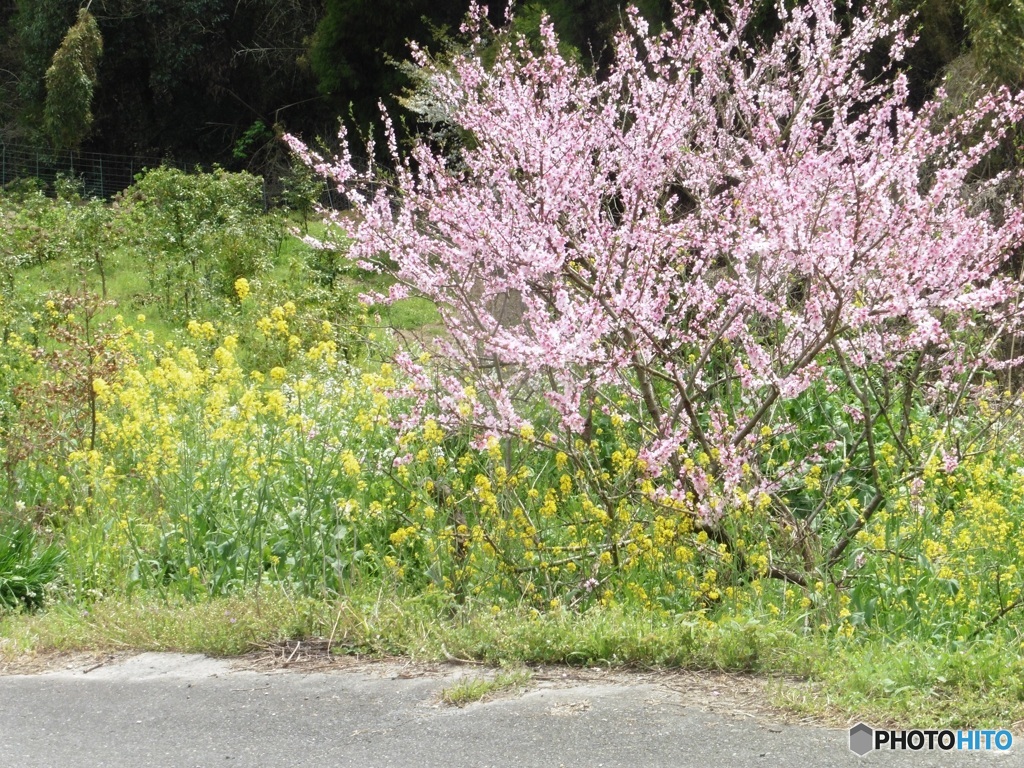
(905, 684)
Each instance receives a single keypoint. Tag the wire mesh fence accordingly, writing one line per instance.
(101, 174)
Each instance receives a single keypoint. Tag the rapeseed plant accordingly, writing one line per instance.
(267, 442)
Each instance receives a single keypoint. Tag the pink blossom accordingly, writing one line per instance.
(707, 200)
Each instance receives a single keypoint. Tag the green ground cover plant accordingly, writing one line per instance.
(28, 568)
(477, 688)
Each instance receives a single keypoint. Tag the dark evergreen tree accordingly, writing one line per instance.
(354, 50)
(997, 38)
(70, 82)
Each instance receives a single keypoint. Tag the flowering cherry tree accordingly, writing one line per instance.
(697, 249)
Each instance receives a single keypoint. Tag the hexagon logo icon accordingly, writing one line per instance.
(862, 738)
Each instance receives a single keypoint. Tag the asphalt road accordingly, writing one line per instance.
(187, 711)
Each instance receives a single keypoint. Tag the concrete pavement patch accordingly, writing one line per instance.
(179, 710)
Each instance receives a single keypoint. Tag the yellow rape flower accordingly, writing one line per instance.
(350, 464)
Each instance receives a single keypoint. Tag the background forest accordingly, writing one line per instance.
(212, 81)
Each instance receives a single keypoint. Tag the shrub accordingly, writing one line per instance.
(200, 232)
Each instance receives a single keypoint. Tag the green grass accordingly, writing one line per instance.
(127, 290)
(909, 684)
(27, 566)
(912, 683)
(411, 314)
(223, 627)
(476, 688)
